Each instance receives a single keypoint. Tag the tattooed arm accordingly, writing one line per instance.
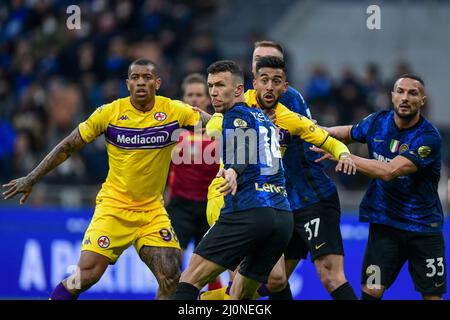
(71, 144)
(204, 116)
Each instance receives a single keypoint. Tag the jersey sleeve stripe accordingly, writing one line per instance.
(324, 141)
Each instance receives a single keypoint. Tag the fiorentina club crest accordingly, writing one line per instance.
(103, 242)
(160, 116)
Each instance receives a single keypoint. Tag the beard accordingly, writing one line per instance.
(408, 116)
(266, 106)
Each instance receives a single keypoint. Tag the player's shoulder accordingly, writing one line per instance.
(293, 93)
(242, 109)
(426, 128)
(382, 114)
(281, 109)
(371, 124)
(250, 93)
(293, 99)
(117, 104)
(113, 107)
(284, 112)
(214, 124)
(378, 117)
(168, 103)
(217, 116)
(242, 115)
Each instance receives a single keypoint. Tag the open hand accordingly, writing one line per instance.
(325, 155)
(22, 185)
(346, 164)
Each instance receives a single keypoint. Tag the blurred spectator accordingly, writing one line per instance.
(52, 78)
(349, 96)
(7, 146)
(377, 96)
(319, 86)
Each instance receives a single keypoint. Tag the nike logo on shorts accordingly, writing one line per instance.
(320, 246)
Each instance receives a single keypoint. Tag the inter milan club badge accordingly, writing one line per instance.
(103, 242)
(160, 116)
(404, 147)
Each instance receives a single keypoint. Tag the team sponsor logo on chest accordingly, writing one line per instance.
(144, 138)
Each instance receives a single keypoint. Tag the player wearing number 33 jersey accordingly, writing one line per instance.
(402, 202)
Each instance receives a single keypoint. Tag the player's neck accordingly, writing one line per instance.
(406, 123)
(237, 100)
(143, 107)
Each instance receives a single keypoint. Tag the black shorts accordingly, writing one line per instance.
(254, 239)
(317, 230)
(389, 248)
(188, 219)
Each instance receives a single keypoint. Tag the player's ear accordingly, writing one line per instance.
(254, 82)
(128, 85)
(424, 100)
(158, 83)
(286, 85)
(239, 90)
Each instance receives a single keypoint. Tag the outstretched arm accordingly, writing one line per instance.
(341, 133)
(399, 166)
(71, 144)
(386, 171)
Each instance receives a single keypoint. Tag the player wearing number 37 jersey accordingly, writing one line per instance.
(256, 223)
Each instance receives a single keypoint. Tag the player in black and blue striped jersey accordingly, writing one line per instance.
(261, 183)
(314, 201)
(402, 202)
(255, 224)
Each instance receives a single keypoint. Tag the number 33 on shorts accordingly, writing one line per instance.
(435, 267)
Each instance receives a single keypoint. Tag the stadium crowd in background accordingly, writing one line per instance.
(51, 78)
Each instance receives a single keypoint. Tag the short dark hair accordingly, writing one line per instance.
(271, 62)
(194, 78)
(226, 66)
(144, 62)
(411, 76)
(271, 44)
